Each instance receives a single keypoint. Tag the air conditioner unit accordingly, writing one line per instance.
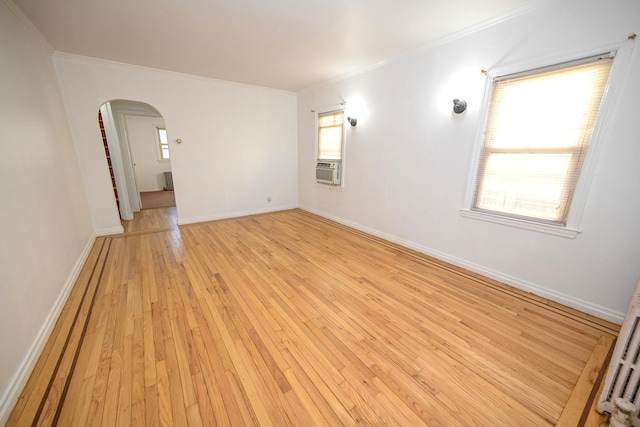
(328, 172)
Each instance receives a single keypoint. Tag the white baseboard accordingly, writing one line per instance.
(20, 378)
(110, 231)
(568, 300)
(215, 217)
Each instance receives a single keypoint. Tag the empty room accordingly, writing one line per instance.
(272, 213)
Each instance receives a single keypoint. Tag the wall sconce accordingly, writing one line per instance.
(352, 121)
(459, 105)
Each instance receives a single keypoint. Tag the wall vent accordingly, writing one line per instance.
(623, 375)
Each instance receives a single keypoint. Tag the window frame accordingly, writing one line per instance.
(571, 228)
(317, 113)
(335, 109)
(160, 146)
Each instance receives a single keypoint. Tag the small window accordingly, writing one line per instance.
(330, 135)
(163, 144)
(538, 130)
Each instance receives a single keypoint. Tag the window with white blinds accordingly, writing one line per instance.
(330, 135)
(538, 129)
(163, 144)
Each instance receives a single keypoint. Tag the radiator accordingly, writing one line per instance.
(623, 375)
(168, 176)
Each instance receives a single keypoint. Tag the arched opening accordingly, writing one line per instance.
(136, 145)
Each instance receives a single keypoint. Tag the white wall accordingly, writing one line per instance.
(45, 222)
(142, 139)
(408, 161)
(238, 142)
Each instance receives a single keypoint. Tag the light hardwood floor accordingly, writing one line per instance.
(156, 219)
(288, 319)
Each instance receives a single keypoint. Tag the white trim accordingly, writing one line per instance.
(110, 231)
(568, 300)
(540, 227)
(336, 107)
(125, 148)
(117, 164)
(159, 156)
(598, 137)
(475, 158)
(624, 50)
(227, 215)
(20, 378)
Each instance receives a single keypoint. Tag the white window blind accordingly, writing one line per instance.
(538, 129)
(330, 135)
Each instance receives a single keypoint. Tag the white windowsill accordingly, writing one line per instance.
(555, 230)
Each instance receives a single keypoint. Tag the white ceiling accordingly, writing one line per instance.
(284, 44)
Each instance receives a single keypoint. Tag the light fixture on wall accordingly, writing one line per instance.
(459, 105)
(352, 121)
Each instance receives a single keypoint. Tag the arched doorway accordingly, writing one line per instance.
(137, 149)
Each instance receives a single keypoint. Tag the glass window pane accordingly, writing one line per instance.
(537, 134)
(529, 185)
(163, 136)
(545, 112)
(331, 119)
(330, 142)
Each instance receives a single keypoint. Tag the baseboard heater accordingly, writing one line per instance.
(623, 375)
(168, 176)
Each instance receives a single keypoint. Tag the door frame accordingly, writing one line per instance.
(119, 149)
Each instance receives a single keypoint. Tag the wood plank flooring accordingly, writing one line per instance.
(287, 319)
(157, 199)
(152, 220)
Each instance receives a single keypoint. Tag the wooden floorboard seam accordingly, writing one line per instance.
(101, 266)
(143, 232)
(73, 343)
(589, 407)
(485, 281)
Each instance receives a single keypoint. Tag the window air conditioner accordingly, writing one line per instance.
(328, 172)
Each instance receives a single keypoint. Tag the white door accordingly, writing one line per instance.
(146, 154)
